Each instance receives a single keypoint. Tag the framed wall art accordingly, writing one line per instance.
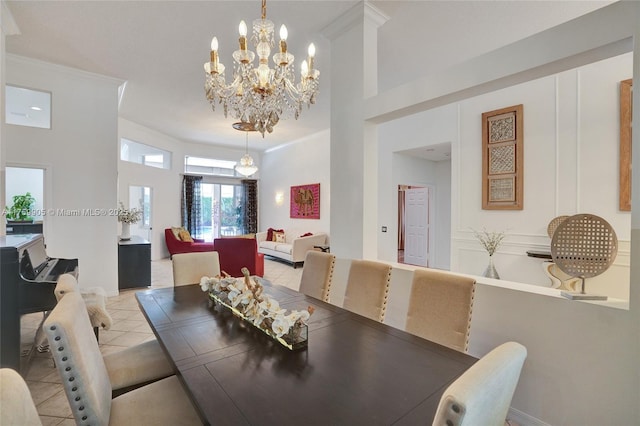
(625, 144)
(503, 159)
(305, 201)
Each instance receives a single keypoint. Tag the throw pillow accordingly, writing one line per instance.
(308, 234)
(279, 237)
(185, 236)
(273, 234)
(270, 234)
(176, 231)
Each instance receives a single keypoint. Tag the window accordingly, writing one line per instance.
(139, 153)
(27, 107)
(210, 166)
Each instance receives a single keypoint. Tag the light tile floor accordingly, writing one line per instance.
(129, 328)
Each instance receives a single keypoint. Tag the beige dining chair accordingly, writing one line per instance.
(16, 404)
(317, 274)
(368, 288)
(189, 268)
(482, 394)
(131, 367)
(86, 381)
(440, 307)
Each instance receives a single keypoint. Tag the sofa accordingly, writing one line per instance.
(293, 249)
(175, 245)
(236, 253)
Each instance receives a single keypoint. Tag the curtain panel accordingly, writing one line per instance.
(249, 206)
(192, 204)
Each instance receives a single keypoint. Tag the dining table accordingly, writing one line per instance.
(354, 370)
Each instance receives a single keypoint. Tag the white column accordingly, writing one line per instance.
(353, 144)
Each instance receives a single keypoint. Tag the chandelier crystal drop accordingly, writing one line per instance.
(261, 95)
(246, 167)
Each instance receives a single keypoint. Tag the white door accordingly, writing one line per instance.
(416, 246)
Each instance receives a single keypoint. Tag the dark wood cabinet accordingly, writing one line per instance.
(134, 263)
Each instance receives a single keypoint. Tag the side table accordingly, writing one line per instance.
(134, 263)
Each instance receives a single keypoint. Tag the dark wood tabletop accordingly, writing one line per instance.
(354, 370)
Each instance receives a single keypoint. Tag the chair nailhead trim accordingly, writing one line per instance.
(84, 417)
(61, 348)
(78, 398)
(67, 369)
(64, 358)
(53, 327)
(57, 338)
(71, 379)
(455, 408)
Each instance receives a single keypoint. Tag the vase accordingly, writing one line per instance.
(126, 231)
(491, 272)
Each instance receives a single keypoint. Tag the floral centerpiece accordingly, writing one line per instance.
(127, 217)
(491, 242)
(245, 298)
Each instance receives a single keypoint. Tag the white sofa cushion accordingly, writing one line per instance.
(284, 248)
(271, 245)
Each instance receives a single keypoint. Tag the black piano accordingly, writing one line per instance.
(27, 280)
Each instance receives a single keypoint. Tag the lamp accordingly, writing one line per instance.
(261, 96)
(246, 166)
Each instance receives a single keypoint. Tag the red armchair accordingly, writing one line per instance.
(236, 253)
(175, 245)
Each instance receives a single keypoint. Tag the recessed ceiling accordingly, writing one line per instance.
(159, 48)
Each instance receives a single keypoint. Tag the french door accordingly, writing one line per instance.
(221, 210)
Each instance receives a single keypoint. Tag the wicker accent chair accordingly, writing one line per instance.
(368, 288)
(482, 394)
(16, 405)
(317, 274)
(86, 381)
(189, 268)
(440, 307)
(131, 367)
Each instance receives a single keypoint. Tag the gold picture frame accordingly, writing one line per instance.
(626, 106)
(503, 159)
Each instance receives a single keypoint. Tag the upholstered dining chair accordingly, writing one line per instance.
(86, 381)
(440, 307)
(317, 273)
(482, 394)
(368, 288)
(131, 367)
(16, 405)
(188, 268)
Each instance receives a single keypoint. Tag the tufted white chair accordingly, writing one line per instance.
(130, 367)
(86, 380)
(483, 393)
(188, 268)
(16, 405)
(368, 288)
(317, 274)
(440, 307)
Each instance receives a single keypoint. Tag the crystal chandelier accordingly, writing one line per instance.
(261, 96)
(246, 166)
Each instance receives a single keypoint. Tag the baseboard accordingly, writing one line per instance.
(524, 419)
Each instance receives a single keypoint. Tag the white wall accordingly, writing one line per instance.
(301, 162)
(80, 152)
(570, 166)
(166, 184)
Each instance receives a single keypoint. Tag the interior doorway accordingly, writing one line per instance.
(414, 224)
(140, 197)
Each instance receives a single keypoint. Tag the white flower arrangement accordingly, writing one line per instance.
(246, 296)
(129, 215)
(490, 240)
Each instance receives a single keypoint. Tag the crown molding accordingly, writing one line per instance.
(75, 72)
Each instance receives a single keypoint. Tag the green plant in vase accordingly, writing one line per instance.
(21, 208)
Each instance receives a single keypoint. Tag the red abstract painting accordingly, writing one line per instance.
(305, 201)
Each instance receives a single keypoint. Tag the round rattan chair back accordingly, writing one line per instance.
(553, 225)
(584, 245)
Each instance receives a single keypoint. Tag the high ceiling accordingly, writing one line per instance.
(159, 48)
